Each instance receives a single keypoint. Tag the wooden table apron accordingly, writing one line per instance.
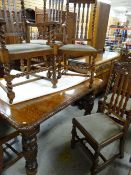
(27, 116)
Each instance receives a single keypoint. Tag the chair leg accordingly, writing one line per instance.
(8, 79)
(129, 172)
(73, 141)
(1, 159)
(28, 67)
(59, 67)
(95, 162)
(54, 77)
(130, 168)
(122, 143)
(49, 67)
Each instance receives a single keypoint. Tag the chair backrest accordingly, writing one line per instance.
(13, 12)
(54, 9)
(52, 13)
(81, 9)
(118, 91)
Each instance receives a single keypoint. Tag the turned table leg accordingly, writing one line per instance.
(86, 103)
(30, 148)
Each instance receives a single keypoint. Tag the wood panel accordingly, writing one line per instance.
(101, 23)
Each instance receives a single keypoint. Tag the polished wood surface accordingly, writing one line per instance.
(30, 113)
(101, 57)
(103, 64)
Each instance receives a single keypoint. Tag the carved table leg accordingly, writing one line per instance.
(86, 103)
(30, 148)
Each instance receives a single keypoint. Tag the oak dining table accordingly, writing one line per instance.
(27, 116)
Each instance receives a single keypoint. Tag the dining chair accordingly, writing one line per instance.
(23, 51)
(98, 131)
(9, 153)
(71, 49)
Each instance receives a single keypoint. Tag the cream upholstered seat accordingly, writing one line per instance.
(77, 47)
(42, 41)
(27, 47)
(97, 121)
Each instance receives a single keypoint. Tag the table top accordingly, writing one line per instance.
(101, 57)
(26, 115)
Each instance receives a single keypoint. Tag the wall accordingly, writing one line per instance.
(33, 3)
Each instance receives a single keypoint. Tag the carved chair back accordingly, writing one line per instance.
(52, 14)
(81, 9)
(54, 9)
(119, 98)
(13, 12)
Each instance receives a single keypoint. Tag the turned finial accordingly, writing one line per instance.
(93, 22)
(44, 9)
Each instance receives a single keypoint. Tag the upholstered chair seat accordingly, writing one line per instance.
(27, 47)
(77, 48)
(100, 133)
(44, 42)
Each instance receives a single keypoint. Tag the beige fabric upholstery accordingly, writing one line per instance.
(128, 107)
(16, 48)
(41, 41)
(99, 126)
(78, 47)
